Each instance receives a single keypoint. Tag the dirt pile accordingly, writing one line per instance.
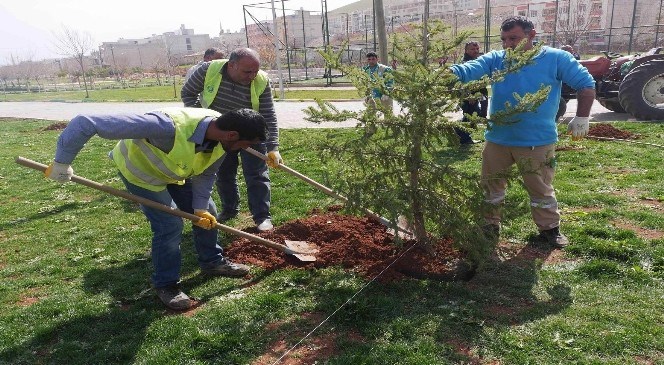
(56, 126)
(355, 243)
(608, 131)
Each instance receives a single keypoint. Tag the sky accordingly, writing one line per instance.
(27, 26)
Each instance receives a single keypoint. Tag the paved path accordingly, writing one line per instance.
(289, 113)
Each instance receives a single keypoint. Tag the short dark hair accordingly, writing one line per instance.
(372, 54)
(474, 43)
(247, 122)
(517, 21)
(211, 52)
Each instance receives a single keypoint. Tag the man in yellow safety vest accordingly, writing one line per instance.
(235, 83)
(169, 156)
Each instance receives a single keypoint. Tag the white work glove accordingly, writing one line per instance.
(274, 159)
(60, 172)
(578, 127)
(207, 221)
(384, 98)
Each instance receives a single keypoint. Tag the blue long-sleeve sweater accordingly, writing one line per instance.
(550, 67)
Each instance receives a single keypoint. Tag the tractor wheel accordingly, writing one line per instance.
(612, 104)
(642, 91)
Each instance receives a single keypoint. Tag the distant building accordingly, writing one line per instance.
(228, 41)
(155, 51)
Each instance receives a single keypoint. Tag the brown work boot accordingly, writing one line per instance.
(174, 298)
(227, 268)
(554, 237)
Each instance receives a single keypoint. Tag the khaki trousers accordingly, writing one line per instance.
(537, 168)
(370, 103)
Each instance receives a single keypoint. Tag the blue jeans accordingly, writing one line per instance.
(167, 233)
(256, 177)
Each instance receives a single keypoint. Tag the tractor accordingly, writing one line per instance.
(627, 84)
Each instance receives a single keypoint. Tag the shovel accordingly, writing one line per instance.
(299, 249)
(402, 231)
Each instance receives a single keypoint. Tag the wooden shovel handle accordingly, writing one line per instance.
(320, 187)
(323, 188)
(152, 204)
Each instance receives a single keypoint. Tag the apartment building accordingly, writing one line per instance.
(154, 51)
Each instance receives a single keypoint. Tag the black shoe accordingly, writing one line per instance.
(174, 298)
(226, 216)
(227, 268)
(554, 238)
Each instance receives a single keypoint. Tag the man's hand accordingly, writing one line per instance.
(60, 172)
(578, 127)
(207, 221)
(274, 159)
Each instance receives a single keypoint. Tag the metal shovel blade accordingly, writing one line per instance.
(403, 230)
(302, 250)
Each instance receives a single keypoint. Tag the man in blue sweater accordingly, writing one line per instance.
(530, 141)
(377, 71)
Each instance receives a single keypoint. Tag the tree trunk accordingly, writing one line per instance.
(415, 158)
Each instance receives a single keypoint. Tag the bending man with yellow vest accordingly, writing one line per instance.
(235, 83)
(169, 156)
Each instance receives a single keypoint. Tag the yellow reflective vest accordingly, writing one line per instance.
(213, 80)
(146, 166)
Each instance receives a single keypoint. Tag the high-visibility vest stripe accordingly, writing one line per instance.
(155, 160)
(138, 173)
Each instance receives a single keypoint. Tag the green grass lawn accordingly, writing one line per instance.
(75, 267)
(165, 93)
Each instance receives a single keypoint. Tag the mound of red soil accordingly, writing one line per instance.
(609, 131)
(356, 243)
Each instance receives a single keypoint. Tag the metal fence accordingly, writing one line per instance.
(624, 26)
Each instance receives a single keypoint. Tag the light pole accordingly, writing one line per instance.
(555, 25)
(115, 66)
(659, 21)
(487, 25)
(608, 47)
(140, 59)
(456, 26)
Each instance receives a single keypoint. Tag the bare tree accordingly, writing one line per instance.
(171, 63)
(20, 69)
(5, 76)
(75, 44)
(574, 21)
(159, 63)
